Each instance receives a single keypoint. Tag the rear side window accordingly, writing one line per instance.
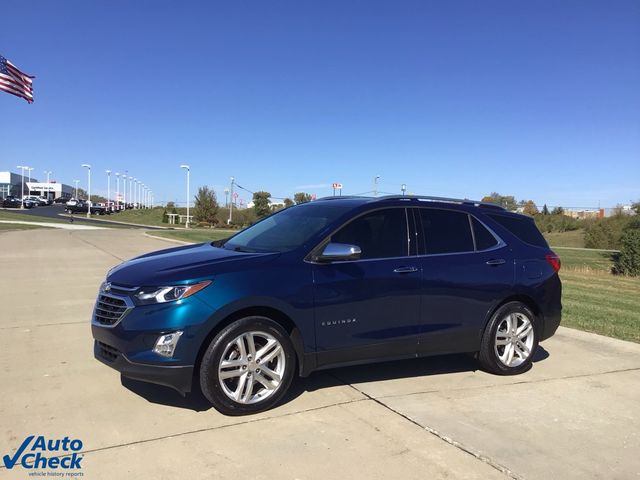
(379, 234)
(522, 227)
(446, 231)
(484, 238)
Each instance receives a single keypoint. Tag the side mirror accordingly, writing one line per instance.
(337, 252)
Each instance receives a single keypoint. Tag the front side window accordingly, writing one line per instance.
(379, 234)
(446, 231)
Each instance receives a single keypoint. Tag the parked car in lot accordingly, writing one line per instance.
(15, 202)
(81, 206)
(333, 282)
(39, 201)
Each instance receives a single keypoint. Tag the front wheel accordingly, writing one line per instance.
(247, 367)
(509, 341)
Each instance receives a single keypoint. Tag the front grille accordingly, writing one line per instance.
(109, 310)
(107, 352)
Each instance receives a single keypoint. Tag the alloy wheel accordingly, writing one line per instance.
(251, 367)
(514, 339)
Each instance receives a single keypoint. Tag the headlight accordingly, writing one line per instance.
(152, 295)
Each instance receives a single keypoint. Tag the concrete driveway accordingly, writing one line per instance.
(574, 415)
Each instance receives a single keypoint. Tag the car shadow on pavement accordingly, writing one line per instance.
(421, 367)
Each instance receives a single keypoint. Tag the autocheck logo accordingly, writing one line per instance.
(42, 454)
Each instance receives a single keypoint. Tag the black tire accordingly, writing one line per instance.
(489, 358)
(208, 372)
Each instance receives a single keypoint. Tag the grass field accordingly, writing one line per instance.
(9, 215)
(596, 301)
(574, 238)
(151, 217)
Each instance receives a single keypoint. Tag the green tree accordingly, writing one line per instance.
(206, 206)
(545, 210)
(261, 204)
(529, 208)
(288, 202)
(506, 201)
(557, 211)
(627, 262)
(636, 207)
(301, 197)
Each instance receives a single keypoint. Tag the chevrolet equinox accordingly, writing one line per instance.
(337, 281)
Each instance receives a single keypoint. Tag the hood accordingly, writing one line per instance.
(183, 264)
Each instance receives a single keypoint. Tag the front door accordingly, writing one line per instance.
(369, 308)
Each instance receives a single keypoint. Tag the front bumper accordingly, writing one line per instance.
(178, 377)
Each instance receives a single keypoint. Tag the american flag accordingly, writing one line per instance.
(14, 81)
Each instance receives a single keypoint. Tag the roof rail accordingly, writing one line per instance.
(341, 197)
(426, 198)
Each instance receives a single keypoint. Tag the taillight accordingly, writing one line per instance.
(553, 260)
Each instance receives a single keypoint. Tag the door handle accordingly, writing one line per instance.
(405, 270)
(496, 261)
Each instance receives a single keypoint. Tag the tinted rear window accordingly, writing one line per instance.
(522, 227)
(446, 231)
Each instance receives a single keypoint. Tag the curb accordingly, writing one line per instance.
(172, 240)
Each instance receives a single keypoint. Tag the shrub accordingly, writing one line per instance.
(627, 262)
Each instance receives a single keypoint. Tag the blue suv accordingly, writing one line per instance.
(337, 281)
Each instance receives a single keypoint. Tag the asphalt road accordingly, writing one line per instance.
(56, 211)
(574, 415)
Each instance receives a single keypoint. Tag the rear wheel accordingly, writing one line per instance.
(247, 367)
(509, 341)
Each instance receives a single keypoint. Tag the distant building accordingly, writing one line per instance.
(584, 213)
(10, 184)
(50, 190)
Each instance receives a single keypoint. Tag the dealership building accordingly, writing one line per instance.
(10, 184)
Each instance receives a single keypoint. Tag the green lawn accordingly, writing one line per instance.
(574, 238)
(195, 235)
(9, 215)
(596, 301)
(585, 260)
(17, 226)
(151, 217)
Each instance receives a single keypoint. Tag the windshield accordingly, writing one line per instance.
(286, 230)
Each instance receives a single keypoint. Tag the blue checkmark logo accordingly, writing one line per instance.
(10, 462)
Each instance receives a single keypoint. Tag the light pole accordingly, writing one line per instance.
(76, 182)
(108, 172)
(375, 185)
(124, 190)
(131, 190)
(29, 169)
(403, 188)
(231, 202)
(188, 169)
(118, 191)
(23, 168)
(47, 173)
(88, 167)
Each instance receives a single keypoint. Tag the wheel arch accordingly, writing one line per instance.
(528, 301)
(269, 312)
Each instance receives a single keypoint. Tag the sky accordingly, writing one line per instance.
(536, 99)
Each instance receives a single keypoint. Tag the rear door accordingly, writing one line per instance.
(466, 270)
(369, 308)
